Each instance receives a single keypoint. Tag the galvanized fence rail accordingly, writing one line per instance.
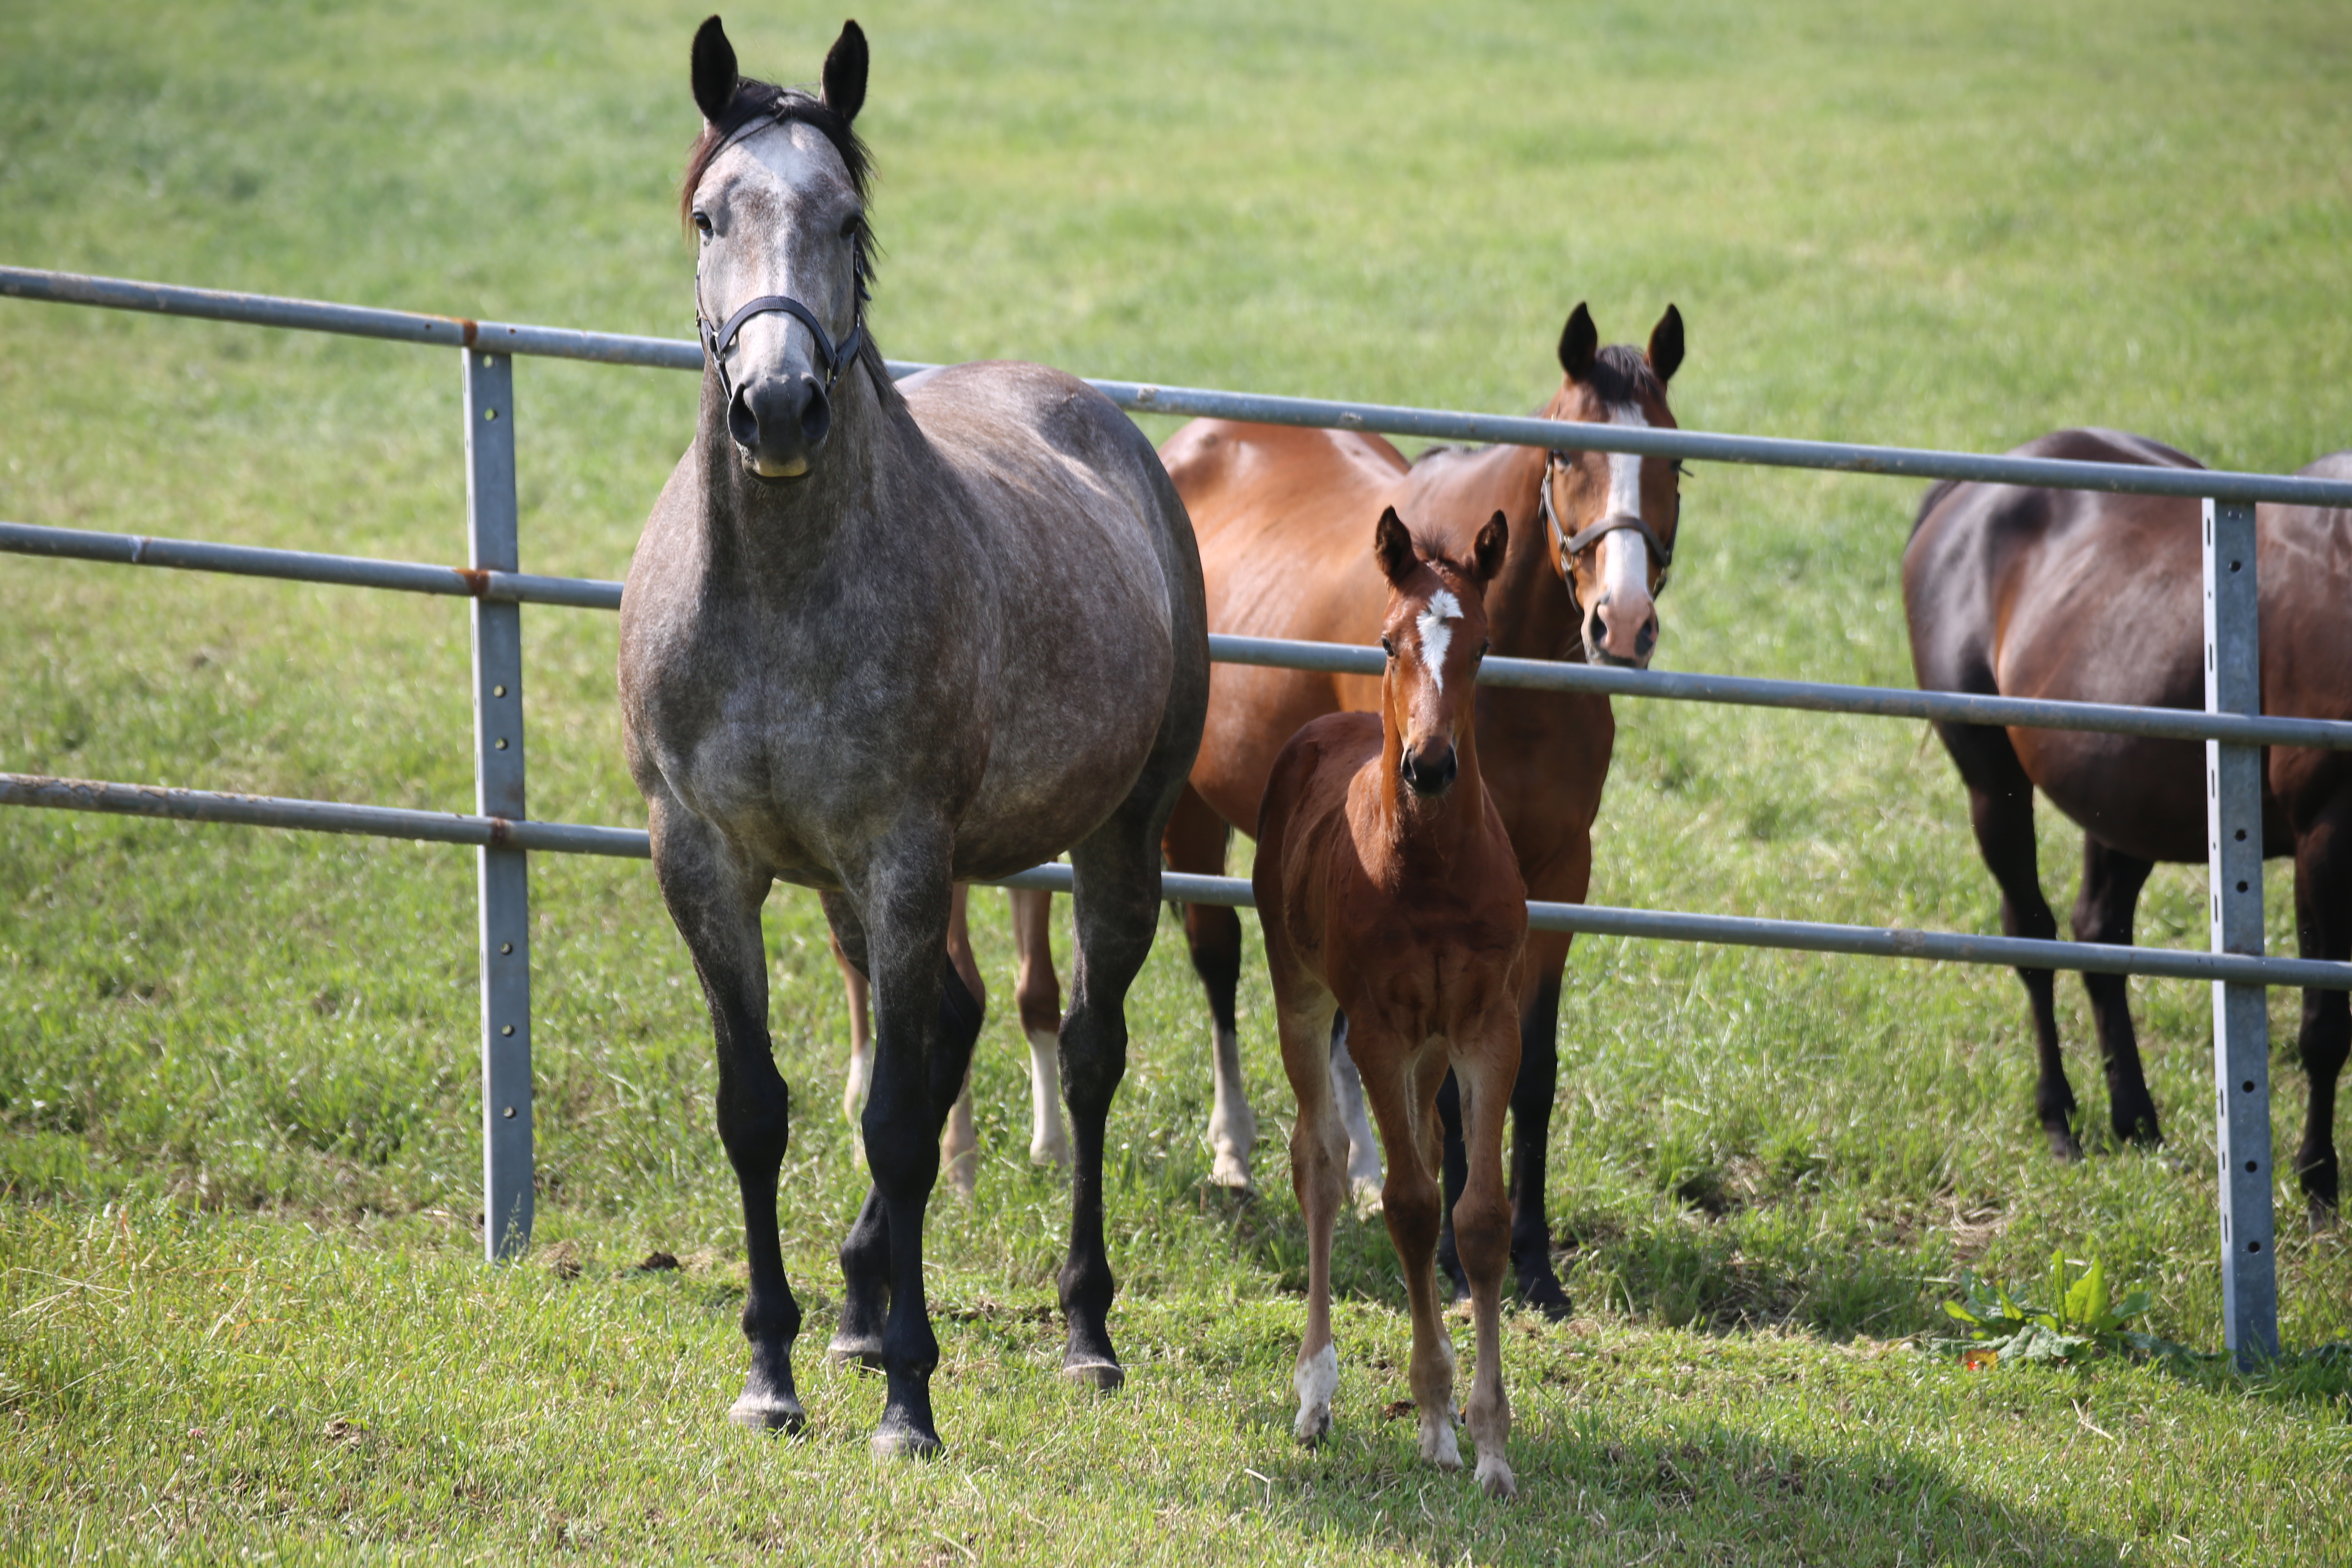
(2231, 727)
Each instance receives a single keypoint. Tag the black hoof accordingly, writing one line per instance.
(865, 1350)
(901, 1436)
(1103, 1376)
(2064, 1145)
(768, 1413)
(1543, 1292)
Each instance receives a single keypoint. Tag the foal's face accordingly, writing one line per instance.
(1435, 637)
(1616, 579)
(776, 214)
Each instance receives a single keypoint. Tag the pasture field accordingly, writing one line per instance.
(238, 1138)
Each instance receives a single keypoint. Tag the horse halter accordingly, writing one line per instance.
(1568, 547)
(717, 341)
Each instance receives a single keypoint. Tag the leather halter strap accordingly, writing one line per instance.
(1569, 546)
(717, 341)
(716, 344)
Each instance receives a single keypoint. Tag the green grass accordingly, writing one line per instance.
(237, 1094)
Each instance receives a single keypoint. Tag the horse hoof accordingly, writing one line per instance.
(1494, 1479)
(768, 1413)
(2064, 1145)
(1106, 1376)
(847, 1348)
(1230, 1172)
(1544, 1294)
(902, 1440)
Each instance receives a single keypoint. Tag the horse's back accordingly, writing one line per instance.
(1101, 640)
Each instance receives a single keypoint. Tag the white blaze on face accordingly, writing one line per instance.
(1437, 636)
(1624, 565)
(1624, 555)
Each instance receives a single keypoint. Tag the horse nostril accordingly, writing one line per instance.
(816, 413)
(741, 423)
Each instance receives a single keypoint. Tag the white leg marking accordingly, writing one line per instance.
(1232, 1126)
(1317, 1380)
(1363, 1151)
(1049, 1145)
(1438, 1442)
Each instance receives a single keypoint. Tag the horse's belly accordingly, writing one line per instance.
(1055, 774)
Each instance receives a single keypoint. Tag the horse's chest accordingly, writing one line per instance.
(762, 756)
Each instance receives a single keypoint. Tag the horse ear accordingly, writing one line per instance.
(714, 70)
(1393, 545)
(1579, 341)
(1494, 542)
(1666, 345)
(845, 73)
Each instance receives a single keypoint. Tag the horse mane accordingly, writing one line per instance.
(754, 99)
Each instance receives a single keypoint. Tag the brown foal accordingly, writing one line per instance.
(1387, 887)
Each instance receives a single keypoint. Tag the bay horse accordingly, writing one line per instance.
(1037, 994)
(2078, 596)
(1279, 514)
(875, 644)
(1388, 890)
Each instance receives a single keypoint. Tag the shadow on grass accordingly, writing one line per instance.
(1767, 1267)
(1704, 1493)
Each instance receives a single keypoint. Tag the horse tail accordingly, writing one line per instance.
(1931, 501)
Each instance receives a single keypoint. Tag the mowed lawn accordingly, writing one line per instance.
(239, 1305)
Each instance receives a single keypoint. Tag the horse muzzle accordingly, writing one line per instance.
(1430, 770)
(1620, 636)
(780, 424)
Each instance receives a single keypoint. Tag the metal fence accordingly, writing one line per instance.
(2233, 730)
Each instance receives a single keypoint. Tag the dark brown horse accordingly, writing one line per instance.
(1280, 515)
(2072, 595)
(1389, 888)
(876, 643)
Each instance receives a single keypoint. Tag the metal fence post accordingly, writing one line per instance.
(505, 876)
(2234, 836)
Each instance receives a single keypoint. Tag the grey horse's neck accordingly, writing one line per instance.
(784, 529)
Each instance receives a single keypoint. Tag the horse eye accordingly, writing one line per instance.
(702, 223)
(849, 226)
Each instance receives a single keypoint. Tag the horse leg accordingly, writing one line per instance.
(1039, 995)
(1348, 1095)
(926, 1023)
(1195, 841)
(1115, 910)
(2323, 909)
(1454, 1166)
(1532, 1092)
(959, 1144)
(1401, 1101)
(1481, 1228)
(2112, 881)
(716, 904)
(861, 1043)
(2000, 809)
(1319, 1155)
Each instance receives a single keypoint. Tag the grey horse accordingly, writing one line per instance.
(875, 643)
